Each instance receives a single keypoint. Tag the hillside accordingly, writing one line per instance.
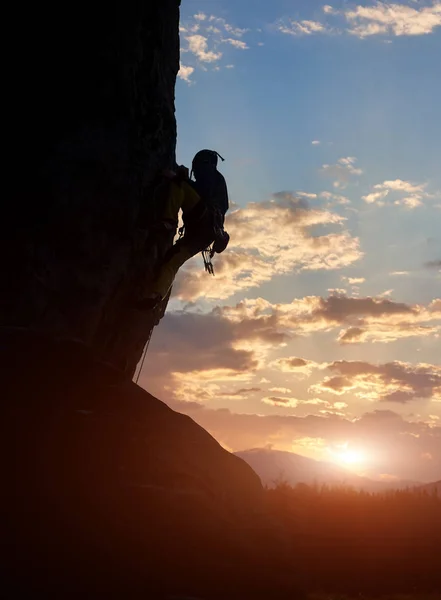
(111, 486)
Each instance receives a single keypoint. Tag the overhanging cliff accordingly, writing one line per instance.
(92, 109)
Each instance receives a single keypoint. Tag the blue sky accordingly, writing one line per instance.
(328, 117)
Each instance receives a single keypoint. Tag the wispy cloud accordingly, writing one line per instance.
(375, 197)
(294, 365)
(203, 42)
(281, 401)
(380, 19)
(198, 45)
(236, 43)
(280, 390)
(384, 18)
(405, 193)
(185, 72)
(391, 382)
(292, 27)
(334, 199)
(353, 280)
(355, 320)
(342, 171)
(197, 367)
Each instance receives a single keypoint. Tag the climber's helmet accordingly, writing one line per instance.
(204, 159)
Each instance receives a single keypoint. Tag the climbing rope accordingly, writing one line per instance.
(144, 355)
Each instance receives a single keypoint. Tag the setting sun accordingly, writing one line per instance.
(347, 456)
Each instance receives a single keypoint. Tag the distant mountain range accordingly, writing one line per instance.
(430, 487)
(276, 465)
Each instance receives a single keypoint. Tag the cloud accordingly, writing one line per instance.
(183, 344)
(342, 172)
(402, 186)
(268, 239)
(239, 394)
(355, 320)
(236, 43)
(328, 9)
(353, 280)
(390, 382)
(316, 142)
(379, 19)
(202, 37)
(334, 199)
(187, 363)
(384, 18)
(185, 72)
(409, 201)
(231, 29)
(307, 195)
(294, 365)
(407, 194)
(280, 390)
(292, 27)
(376, 197)
(284, 402)
(197, 44)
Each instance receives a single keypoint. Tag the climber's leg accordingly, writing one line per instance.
(178, 255)
(170, 198)
(174, 259)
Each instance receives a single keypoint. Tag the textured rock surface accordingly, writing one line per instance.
(93, 122)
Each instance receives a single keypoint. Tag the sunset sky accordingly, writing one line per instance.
(321, 330)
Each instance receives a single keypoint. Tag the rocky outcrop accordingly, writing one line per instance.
(116, 495)
(92, 109)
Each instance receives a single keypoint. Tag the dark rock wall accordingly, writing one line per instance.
(91, 109)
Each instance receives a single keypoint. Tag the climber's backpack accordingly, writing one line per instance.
(212, 188)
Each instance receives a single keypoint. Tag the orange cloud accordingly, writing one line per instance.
(294, 365)
(280, 390)
(281, 401)
(268, 239)
(390, 382)
(364, 319)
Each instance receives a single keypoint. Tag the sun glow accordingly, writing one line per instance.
(345, 455)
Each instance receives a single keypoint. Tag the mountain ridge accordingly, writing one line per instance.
(273, 466)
